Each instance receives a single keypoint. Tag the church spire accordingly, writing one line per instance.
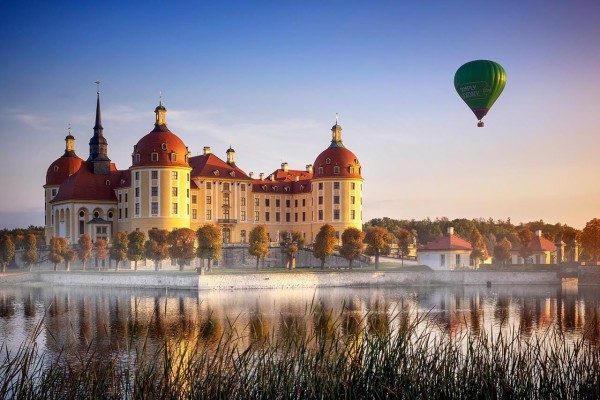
(100, 162)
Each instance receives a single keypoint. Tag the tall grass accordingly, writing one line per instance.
(344, 356)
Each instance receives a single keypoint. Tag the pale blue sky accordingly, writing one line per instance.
(268, 78)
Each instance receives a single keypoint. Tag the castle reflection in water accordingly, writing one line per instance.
(109, 321)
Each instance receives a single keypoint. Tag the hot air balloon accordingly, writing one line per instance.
(479, 83)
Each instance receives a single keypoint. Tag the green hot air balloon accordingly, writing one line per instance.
(479, 83)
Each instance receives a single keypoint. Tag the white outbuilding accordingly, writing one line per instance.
(449, 252)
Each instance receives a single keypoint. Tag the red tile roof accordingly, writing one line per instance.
(62, 168)
(209, 166)
(163, 142)
(84, 185)
(538, 243)
(337, 156)
(447, 242)
(284, 182)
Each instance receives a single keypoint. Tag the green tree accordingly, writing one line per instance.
(377, 240)
(502, 251)
(157, 246)
(590, 239)
(291, 243)
(259, 243)
(479, 252)
(405, 239)
(210, 243)
(324, 243)
(118, 250)
(7, 251)
(525, 236)
(100, 250)
(57, 251)
(84, 249)
(69, 256)
(182, 246)
(30, 254)
(352, 244)
(135, 247)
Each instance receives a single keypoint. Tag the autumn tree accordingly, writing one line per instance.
(57, 251)
(324, 243)
(7, 251)
(100, 251)
(404, 238)
(84, 249)
(69, 255)
(210, 244)
(502, 251)
(118, 250)
(259, 243)
(590, 239)
(291, 243)
(352, 244)
(377, 240)
(135, 247)
(525, 236)
(30, 254)
(157, 246)
(479, 252)
(182, 246)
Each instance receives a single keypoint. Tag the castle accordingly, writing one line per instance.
(166, 188)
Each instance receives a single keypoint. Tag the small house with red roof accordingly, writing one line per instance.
(447, 253)
(543, 251)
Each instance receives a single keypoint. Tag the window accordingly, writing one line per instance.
(186, 174)
(120, 214)
(267, 216)
(120, 197)
(296, 203)
(351, 170)
(288, 217)
(174, 191)
(458, 260)
(243, 188)
(126, 213)
(137, 208)
(277, 203)
(336, 170)
(442, 260)
(208, 214)
(288, 203)
(154, 208)
(336, 214)
(194, 199)
(267, 202)
(320, 215)
(225, 214)
(174, 175)
(303, 202)
(256, 216)
(336, 199)
(154, 174)
(54, 193)
(174, 208)
(243, 215)
(188, 193)
(208, 200)
(137, 192)
(163, 146)
(295, 217)
(352, 199)
(328, 161)
(154, 156)
(320, 185)
(320, 170)
(188, 209)
(154, 190)
(320, 200)
(277, 217)
(208, 185)
(81, 225)
(352, 214)
(303, 216)
(243, 200)
(194, 213)
(226, 186)
(226, 199)
(256, 201)
(173, 157)
(137, 157)
(336, 185)
(352, 185)
(125, 197)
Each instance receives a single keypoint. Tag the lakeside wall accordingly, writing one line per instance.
(280, 280)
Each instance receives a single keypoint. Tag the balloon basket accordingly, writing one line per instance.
(480, 124)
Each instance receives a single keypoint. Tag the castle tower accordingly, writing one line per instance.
(98, 159)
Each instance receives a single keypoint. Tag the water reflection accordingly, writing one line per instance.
(108, 322)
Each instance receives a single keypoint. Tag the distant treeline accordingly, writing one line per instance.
(18, 234)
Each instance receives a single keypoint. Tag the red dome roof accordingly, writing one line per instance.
(169, 150)
(334, 156)
(62, 168)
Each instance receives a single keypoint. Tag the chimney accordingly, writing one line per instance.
(284, 166)
(271, 177)
(309, 168)
(251, 175)
(297, 178)
(262, 176)
(450, 230)
(538, 233)
(206, 150)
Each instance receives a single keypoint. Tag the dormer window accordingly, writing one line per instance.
(320, 170)
(216, 172)
(164, 146)
(301, 187)
(154, 156)
(336, 170)
(264, 187)
(137, 157)
(107, 182)
(232, 173)
(275, 188)
(351, 170)
(56, 168)
(173, 157)
(328, 161)
(287, 188)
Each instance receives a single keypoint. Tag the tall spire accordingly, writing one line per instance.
(98, 126)
(100, 162)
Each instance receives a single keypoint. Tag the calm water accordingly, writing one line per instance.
(108, 321)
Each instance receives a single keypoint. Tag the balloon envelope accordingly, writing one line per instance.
(479, 83)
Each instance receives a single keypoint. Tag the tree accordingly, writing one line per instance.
(590, 239)
(259, 243)
(100, 250)
(84, 249)
(182, 246)
(290, 245)
(377, 241)
(30, 254)
(502, 250)
(525, 236)
(56, 255)
(118, 250)
(324, 243)
(7, 251)
(479, 252)
(157, 246)
(135, 247)
(352, 244)
(405, 239)
(69, 256)
(210, 243)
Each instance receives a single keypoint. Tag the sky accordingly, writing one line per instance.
(268, 77)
